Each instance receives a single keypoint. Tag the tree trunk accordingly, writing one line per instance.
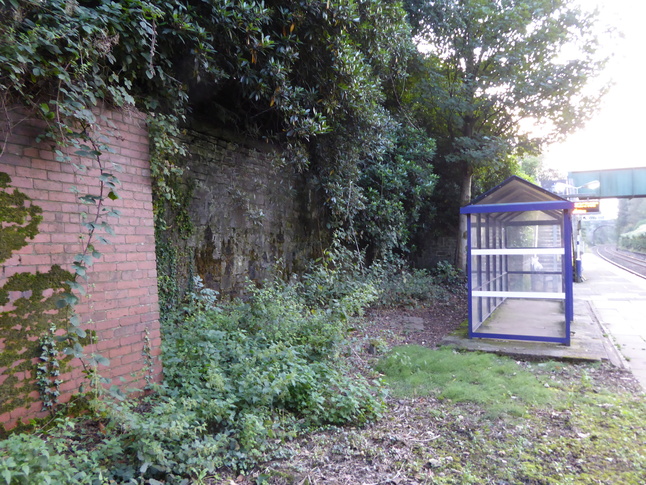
(465, 199)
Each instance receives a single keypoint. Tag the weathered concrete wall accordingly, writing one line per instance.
(122, 307)
(250, 212)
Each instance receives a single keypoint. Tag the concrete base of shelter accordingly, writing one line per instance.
(588, 341)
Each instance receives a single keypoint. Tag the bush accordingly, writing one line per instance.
(401, 286)
(240, 379)
(339, 283)
(447, 274)
(253, 373)
(53, 458)
(634, 240)
(29, 459)
(409, 288)
(243, 377)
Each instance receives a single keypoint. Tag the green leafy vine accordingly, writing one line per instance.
(48, 371)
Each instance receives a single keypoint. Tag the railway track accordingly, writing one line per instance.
(634, 263)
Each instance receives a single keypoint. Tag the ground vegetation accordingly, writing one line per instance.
(318, 396)
(241, 379)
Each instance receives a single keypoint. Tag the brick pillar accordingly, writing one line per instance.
(122, 306)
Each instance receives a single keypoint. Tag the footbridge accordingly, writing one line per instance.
(614, 183)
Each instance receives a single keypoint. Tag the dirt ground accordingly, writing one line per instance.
(425, 325)
(428, 441)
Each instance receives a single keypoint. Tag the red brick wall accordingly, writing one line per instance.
(122, 307)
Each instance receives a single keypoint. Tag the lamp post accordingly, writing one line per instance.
(562, 188)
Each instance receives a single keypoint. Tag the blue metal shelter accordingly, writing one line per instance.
(519, 264)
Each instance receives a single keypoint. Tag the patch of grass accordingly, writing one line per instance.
(498, 383)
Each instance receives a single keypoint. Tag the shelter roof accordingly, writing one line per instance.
(516, 190)
(517, 195)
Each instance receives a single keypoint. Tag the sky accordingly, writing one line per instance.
(614, 137)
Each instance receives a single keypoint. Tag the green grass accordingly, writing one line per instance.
(498, 383)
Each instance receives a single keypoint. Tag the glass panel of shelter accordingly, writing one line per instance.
(518, 252)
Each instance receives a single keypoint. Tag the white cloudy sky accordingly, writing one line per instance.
(616, 136)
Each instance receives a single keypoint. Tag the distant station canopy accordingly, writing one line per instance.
(520, 264)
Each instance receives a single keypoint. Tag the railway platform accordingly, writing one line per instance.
(609, 323)
(617, 300)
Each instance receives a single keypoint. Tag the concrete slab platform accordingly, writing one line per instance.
(588, 343)
(618, 301)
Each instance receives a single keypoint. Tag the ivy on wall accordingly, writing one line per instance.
(53, 58)
(322, 78)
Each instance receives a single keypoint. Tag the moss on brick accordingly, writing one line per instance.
(18, 217)
(28, 300)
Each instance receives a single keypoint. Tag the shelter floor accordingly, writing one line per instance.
(539, 318)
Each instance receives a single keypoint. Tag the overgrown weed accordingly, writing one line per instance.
(399, 285)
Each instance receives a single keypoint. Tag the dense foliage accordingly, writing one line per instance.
(241, 379)
(394, 191)
(488, 66)
(325, 79)
(313, 76)
(631, 224)
(634, 240)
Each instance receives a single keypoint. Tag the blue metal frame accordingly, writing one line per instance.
(470, 283)
(529, 338)
(562, 206)
(569, 273)
(518, 207)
